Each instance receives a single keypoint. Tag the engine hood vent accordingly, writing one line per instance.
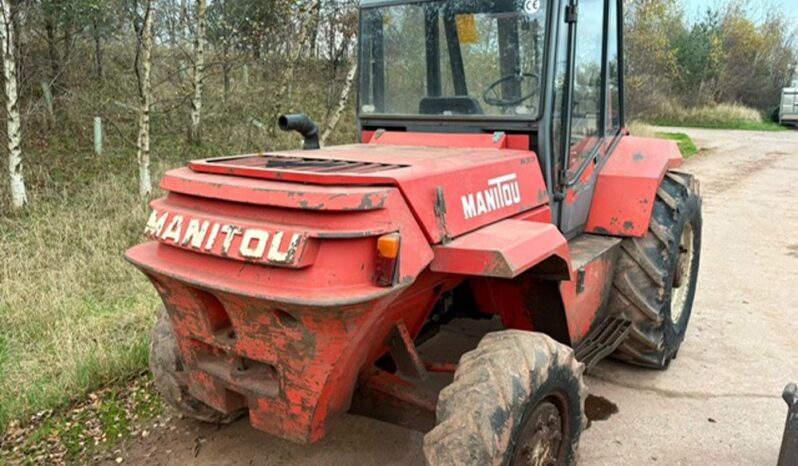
(451, 190)
(315, 165)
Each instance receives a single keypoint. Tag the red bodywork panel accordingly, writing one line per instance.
(476, 185)
(534, 301)
(267, 264)
(627, 186)
(306, 327)
(505, 250)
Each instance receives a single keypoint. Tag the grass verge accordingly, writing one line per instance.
(723, 116)
(732, 125)
(74, 314)
(686, 144)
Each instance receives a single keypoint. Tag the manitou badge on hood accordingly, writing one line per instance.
(502, 192)
(224, 239)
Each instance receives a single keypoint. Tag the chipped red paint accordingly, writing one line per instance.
(311, 350)
(274, 193)
(505, 250)
(523, 303)
(627, 186)
(595, 257)
(287, 331)
(239, 239)
(419, 172)
(304, 333)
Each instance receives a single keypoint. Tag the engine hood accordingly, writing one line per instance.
(450, 190)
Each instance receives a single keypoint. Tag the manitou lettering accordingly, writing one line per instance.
(502, 192)
(221, 238)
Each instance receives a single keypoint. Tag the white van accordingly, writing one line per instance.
(788, 112)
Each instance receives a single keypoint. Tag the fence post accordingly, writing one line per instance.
(98, 135)
(245, 75)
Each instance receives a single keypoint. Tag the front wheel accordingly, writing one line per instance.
(655, 282)
(517, 399)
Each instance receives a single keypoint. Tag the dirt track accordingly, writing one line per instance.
(719, 403)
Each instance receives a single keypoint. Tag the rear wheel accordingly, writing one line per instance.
(655, 281)
(517, 399)
(169, 375)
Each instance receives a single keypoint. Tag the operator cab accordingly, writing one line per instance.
(547, 69)
(479, 58)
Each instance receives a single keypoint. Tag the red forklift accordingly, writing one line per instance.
(493, 179)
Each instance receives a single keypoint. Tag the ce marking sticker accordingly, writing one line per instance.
(531, 6)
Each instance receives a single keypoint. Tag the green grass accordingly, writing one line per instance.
(732, 125)
(686, 144)
(95, 425)
(74, 314)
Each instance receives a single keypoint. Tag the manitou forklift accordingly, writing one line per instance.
(493, 178)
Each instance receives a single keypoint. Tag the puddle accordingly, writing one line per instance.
(598, 408)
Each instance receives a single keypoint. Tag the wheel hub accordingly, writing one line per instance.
(681, 274)
(541, 440)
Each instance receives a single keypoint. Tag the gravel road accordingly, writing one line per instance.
(719, 403)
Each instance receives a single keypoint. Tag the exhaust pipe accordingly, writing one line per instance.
(300, 123)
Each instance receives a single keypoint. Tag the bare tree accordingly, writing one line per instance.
(199, 71)
(143, 73)
(294, 54)
(19, 196)
(336, 116)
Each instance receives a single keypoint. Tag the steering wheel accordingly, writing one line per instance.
(492, 97)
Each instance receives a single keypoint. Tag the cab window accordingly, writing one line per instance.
(586, 112)
(614, 75)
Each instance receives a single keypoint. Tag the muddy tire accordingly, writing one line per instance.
(517, 398)
(166, 365)
(655, 281)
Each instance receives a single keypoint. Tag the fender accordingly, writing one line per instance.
(627, 186)
(506, 250)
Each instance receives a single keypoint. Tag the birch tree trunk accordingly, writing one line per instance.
(19, 195)
(182, 22)
(199, 72)
(145, 94)
(98, 48)
(294, 52)
(350, 79)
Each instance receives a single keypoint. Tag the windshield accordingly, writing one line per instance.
(461, 57)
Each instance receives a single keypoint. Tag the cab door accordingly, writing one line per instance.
(588, 111)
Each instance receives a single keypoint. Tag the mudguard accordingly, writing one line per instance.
(504, 250)
(627, 186)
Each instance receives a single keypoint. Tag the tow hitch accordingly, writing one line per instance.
(789, 445)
